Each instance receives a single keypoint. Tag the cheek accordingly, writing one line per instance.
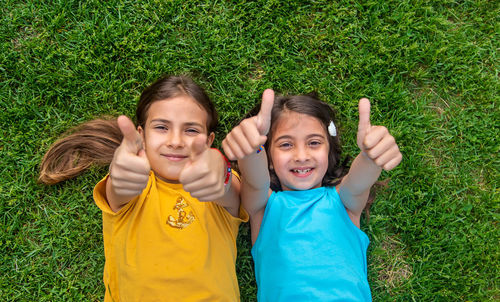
(273, 158)
(278, 161)
(146, 143)
(325, 162)
(151, 142)
(324, 157)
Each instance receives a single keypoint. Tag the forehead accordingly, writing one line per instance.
(291, 122)
(181, 108)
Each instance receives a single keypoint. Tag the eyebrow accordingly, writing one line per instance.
(169, 122)
(307, 137)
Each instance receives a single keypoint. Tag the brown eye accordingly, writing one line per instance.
(192, 131)
(161, 127)
(285, 145)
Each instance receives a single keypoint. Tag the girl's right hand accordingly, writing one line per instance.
(129, 170)
(251, 133)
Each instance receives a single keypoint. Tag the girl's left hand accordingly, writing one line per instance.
(202, 175)
(375, 141)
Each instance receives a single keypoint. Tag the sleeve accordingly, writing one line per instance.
(102, 202)
(243, 215)
(229, 221)
(100, 196)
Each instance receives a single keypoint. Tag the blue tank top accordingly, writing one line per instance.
(308, 249)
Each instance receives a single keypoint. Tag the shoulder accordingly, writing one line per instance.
(354, 217)
(101, 200)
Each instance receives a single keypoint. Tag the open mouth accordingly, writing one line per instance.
(302, 172)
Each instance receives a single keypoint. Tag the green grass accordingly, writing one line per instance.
(429, 67)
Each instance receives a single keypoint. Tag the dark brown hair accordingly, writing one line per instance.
(94, 142)
(311, 105)
(170, 87)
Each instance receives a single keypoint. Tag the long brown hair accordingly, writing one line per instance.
(94, 142)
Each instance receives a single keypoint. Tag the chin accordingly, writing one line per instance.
(170, 177)
(296, 187)
(304, 187)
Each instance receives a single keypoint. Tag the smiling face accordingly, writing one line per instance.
(171, 127)
(299, 151)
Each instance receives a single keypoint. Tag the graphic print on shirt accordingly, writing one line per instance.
(183, 219)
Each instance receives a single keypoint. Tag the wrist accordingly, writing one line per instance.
(227, 171)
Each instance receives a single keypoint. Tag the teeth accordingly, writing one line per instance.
(301, 171)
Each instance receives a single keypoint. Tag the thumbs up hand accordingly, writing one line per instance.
(129, 169)
(251, 133)
(375, 141)
(204, 174)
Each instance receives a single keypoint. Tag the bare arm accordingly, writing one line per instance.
(255, 182)
(355, 186)
(378, 151)
(255, 188)
(231, 198)
(241, 144)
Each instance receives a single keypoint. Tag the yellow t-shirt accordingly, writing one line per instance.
(167, 246)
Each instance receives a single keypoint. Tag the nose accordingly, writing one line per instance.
(301, 154)
(174, 139)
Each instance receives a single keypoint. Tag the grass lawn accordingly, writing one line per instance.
(429, 67)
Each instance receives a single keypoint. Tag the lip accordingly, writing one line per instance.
(174, 157)
(302, 172)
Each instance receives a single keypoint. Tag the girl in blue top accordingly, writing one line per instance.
(304, 209)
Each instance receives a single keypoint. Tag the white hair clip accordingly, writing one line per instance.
(332, 129)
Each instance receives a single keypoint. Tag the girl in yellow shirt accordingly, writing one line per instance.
(171, 209)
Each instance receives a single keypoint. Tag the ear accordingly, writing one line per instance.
(210, 139)
(143, 134)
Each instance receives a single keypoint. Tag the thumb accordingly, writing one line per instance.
(198, 147)
(264, 115)
(364, 124)
(132, 140)
(364, 116)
